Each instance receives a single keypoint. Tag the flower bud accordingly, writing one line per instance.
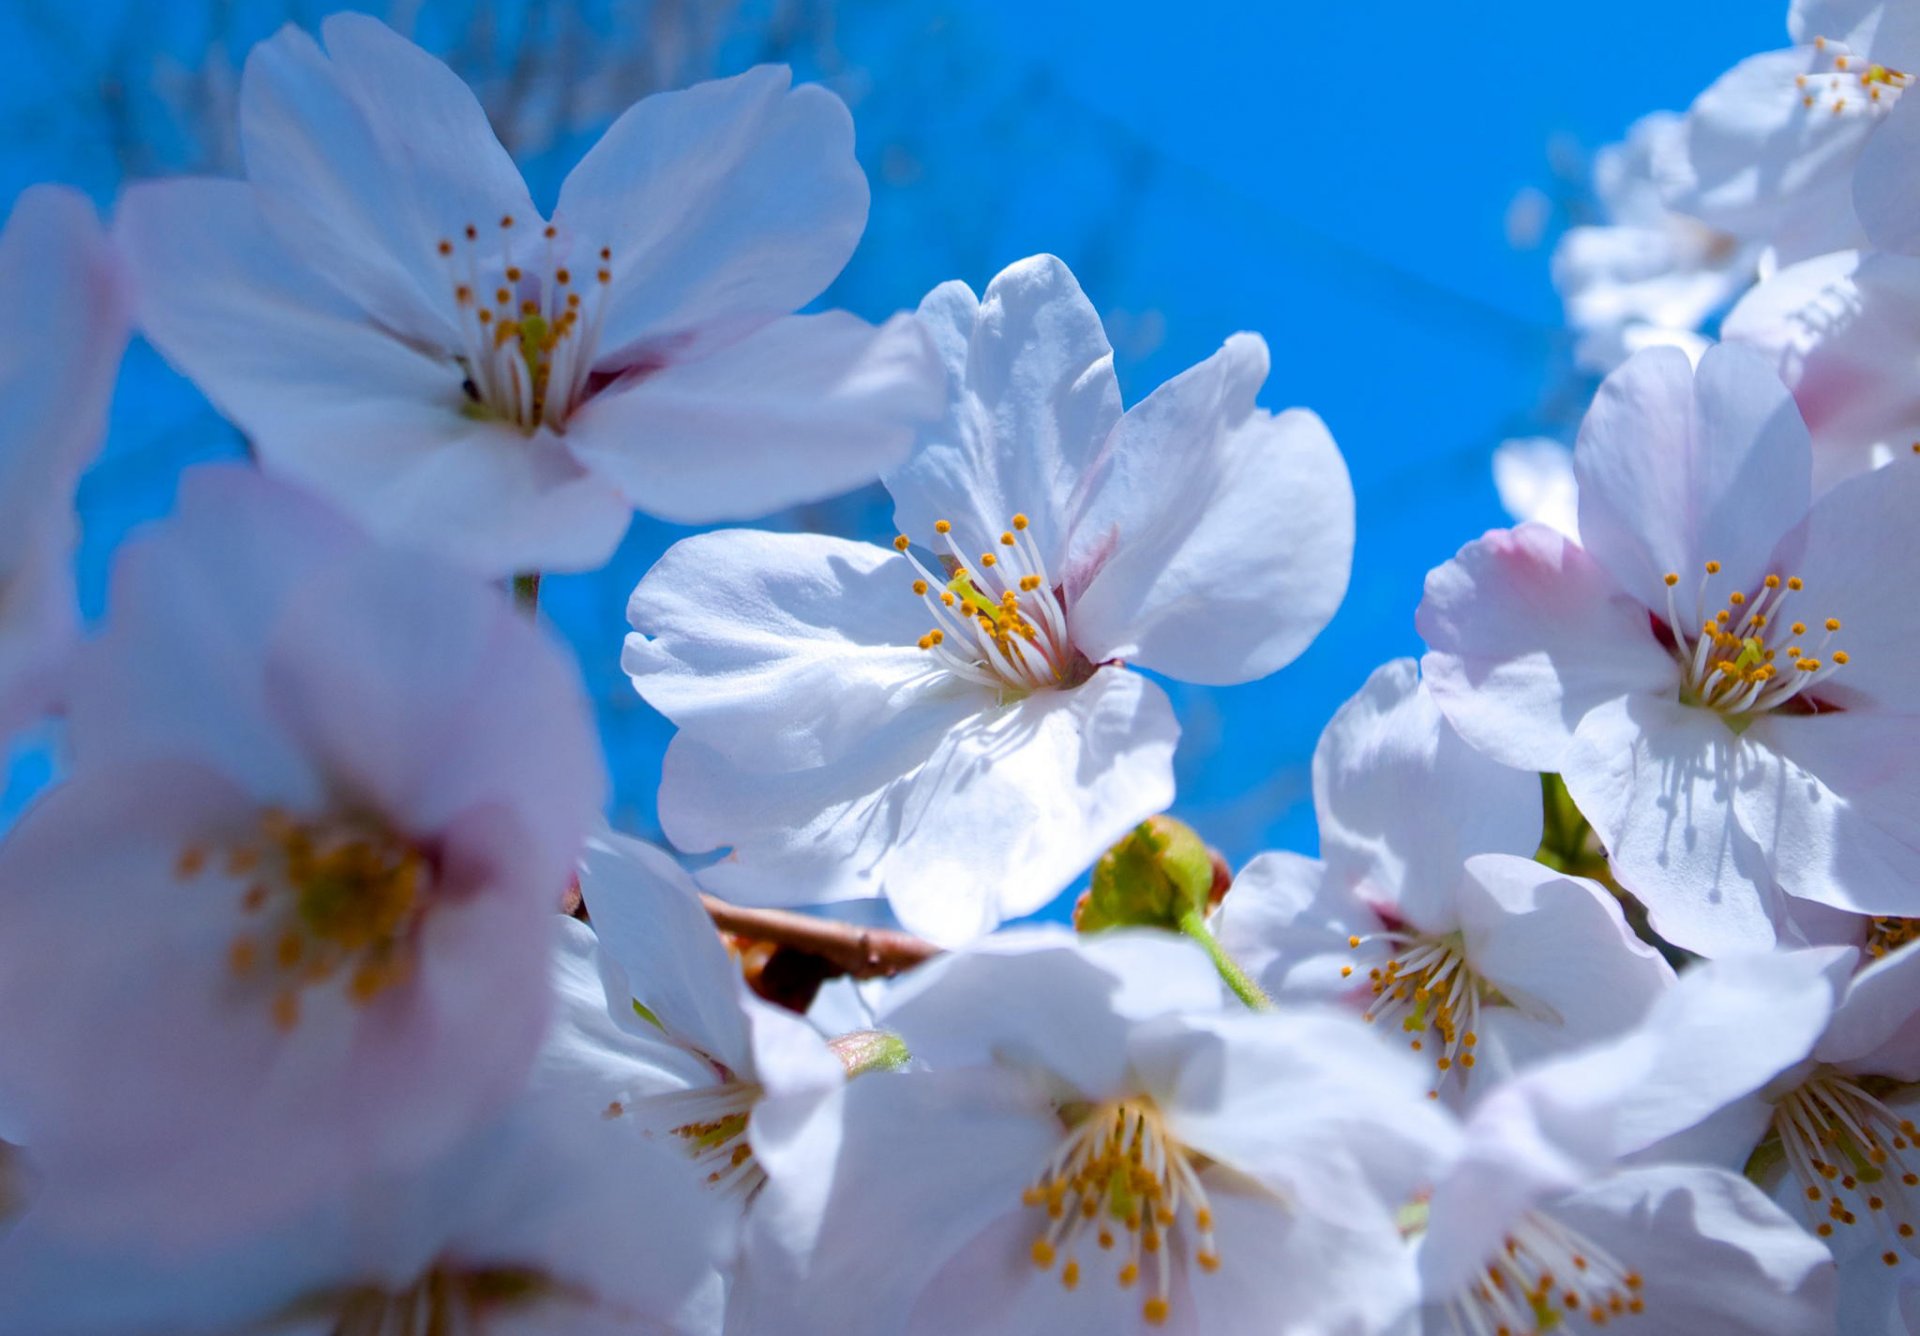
(1161, 871)
(863, 1051)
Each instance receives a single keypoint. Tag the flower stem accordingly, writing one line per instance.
(526, 592)
(1194, 924)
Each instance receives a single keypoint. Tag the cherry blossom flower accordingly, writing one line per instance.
(1088, 1143)
(1772, 145)
(61, 334)
(285, 924)
(656, 1008)
(1537, 1226)
(1426, 908)
(954, 727)
(1717, 668)
(1647, 275)
(380, 307)
(548, 1221)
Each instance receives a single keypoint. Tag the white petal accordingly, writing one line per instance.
(1883, 192)
(364, 158)
(342, 407)
(1712, 1252)
(1678, 468)
(782, 651)
(723, 204)
(1534, 477)
(802, 408)
(1193, 571)
(961, 819)
(1844, 331)
(1559, 948)
(1872, 1028)
(1769, 166)
(1402, 800)
(1032, 397)
(1288, 925)
(1526, 634)
(646, 912)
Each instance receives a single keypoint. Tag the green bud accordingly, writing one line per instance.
(1160, 872)
(863, 1051)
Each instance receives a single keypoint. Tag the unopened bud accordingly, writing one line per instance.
(863, 1051)
(1159, 873)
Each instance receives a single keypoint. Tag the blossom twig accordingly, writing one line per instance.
(864, 953)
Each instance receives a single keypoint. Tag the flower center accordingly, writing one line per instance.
(1428, 989)
(715, 1131)
(1848, 84)
(998, 621)
(528, 324)
(1885, 934)
(1544, 1273)
(1750, 656)
(323, 901)
(1853, 1153)
(448, 1298)
(1121, 1173)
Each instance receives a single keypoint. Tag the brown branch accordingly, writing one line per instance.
(864, 953)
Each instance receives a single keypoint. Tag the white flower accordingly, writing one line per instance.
(1537, 1226)
(382, 310)
(1087, 1143)
(1718, 668)
(61, 334)
(956, 730)
(1646, 275)
(286, 922)
(1426, 908)
(1772, 145)
(547, 1221)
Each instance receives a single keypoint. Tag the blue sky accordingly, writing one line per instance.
(1336, 177)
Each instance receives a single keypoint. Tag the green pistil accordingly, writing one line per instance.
(1544, 1316)
(970, 594)
(1864, 1169)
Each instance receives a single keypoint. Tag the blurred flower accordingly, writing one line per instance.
(1648, 275)
(1534, 476)
(62, 331)
(548, 1221)
(382, 310)
(285, 925)
(1087, 1143)
(1426, 906)
(1717, 670)
(971, 778)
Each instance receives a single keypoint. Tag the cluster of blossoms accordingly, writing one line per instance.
(329, 1004)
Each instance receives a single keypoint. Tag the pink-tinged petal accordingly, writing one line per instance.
(364, 158)
(962, 817)
(976, 1007)
(1770, 165)
(781, 651)
(1873, 1028)
(1031, 399)
(1288, 925)
(800, 409)
(60, 343)
(728, 202)
(1884, 195)
(1678, 468)
(397, 448)
(647, 913)
(1860, 565)
(178, 667)
(1845, 332)
(1558, 948)
(1403, 800)
(1722, 1032)
(842, 1238)
(1206, 582)
(1657, 779)
(1839, 816)
(1712, 1253)
(1526, 633)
